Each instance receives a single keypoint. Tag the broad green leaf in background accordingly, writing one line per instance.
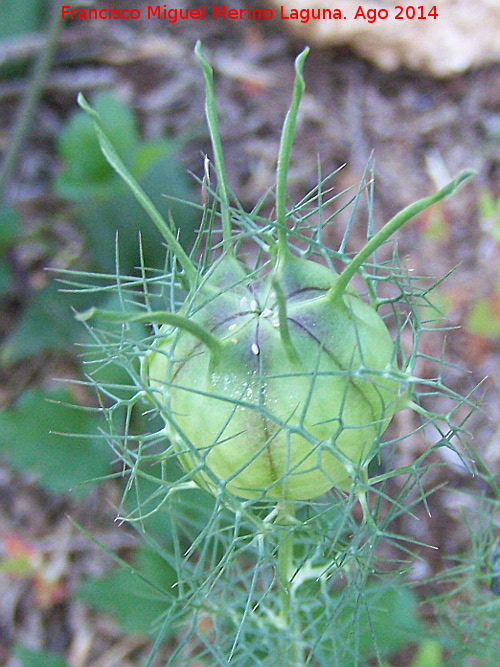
(84, 169)
(429, 654)
(489, 214)
(30, 658)
(189, 511)
(9, 233)
(30, 441)
(129, 599)
(392, 620)
(383, 616)
(102, 216)
(102, 208)
(10, 227)
(103, 205)
(18, 21)
(46, 324)
(483, 318)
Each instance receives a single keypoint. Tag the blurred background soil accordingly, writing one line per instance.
(421, 132)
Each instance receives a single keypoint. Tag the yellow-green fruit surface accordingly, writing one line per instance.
(263, 421)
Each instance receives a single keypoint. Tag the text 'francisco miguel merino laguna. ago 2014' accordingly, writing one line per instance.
(172, 15)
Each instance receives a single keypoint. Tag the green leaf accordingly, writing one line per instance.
(29, 658)
(429, 654)
(10, 226)
(104, 205)
(30, 441)
(117, 211)
(484, 318)
(21, 18)
(46, 324)
(84, 168)
(6, 279)
(128, 598)
(382, 618)
(391, 620)
(142, 199)
(9, 232)
(489, 214)
(188, 511)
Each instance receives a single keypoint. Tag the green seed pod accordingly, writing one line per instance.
(274, 382)
(291, 401)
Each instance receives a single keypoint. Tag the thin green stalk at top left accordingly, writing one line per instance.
(28, 107)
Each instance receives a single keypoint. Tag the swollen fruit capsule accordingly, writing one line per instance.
(292, 400)
(274, 382)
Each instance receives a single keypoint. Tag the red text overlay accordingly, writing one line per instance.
(172, 15)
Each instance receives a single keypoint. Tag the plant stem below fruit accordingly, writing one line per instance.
(293, 650)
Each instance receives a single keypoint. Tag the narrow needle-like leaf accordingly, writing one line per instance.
(117, 164)
(389, 229)
(286, 149)
(158, 317)
(213, 128)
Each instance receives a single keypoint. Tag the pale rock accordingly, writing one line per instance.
(465, 34)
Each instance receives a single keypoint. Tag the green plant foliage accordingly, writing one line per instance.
(387, 621)
(181, 521)
(489, 212)
(10, 229)
(21, 18)
(84, 169)
(109, 217)
(483, 318)
(45, 325)
(116, 214)
(429, 654)
(30, 658)
(104, 207)
(467, 611)
(272, 567)
(137, 598)
(35, 436)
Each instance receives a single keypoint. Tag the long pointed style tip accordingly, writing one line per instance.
(453, 185)
(391, 228)
(286, 142)
(115, 161)
(198, 50)
(85, 106)
(207, 68)
(300, 59)
(85, 315)
(213, 127)
(81, 101)
(464, 175)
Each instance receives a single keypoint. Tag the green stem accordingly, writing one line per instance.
(285, 150)
(294, 652)
(388, 230)
(116, 162)
(29, 104)
(213, 128)
(158, 317)
(286, 339)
